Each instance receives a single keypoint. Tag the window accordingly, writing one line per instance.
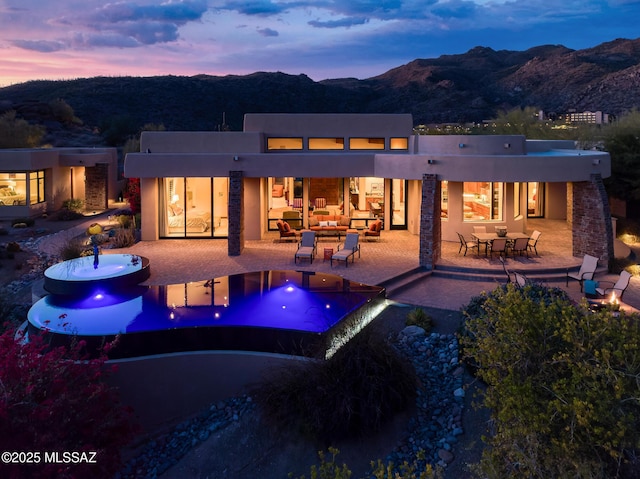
(284, 144)
(444, 199)
(399, 144)
(366, 144)
(36, 187)
(482, 200)
(326, 143)
(13, 189)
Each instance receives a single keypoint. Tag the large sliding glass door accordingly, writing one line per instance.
(194, 207)
(535, 199)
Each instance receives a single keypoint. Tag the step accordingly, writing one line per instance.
(405, 280)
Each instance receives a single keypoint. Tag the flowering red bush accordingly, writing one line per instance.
(55, 400)
(132, 194)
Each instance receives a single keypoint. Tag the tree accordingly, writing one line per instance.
(622, 141)
(18, 133)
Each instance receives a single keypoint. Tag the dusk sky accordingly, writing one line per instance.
(68, 39)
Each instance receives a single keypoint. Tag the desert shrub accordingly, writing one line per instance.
(73, 204)
(561, 384)
(56, 400)
(27, 221)
(72, 248)
(419, 317)
(125, 221)
(349, 395)
(65, 214)
(123, 238)
(329, 469)
(13, 247)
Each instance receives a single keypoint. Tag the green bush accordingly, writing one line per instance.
(562, 384)
(74, 204)
(350, 395)
(419, 317)
(65, 214)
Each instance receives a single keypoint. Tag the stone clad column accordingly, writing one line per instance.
(592, 232)
(430, 227)
(236, 213)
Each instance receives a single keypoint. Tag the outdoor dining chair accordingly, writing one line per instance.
(520, 246)
(498, 245)
(464, 243)
(586, 272)
(533, 241)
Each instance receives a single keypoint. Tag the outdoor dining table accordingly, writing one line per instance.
(486, 238)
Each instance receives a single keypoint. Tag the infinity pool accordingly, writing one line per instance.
(290, 312)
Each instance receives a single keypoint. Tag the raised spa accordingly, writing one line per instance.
(80, 276)
(289, 312)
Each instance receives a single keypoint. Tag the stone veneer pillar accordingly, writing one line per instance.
(590, 217)
(96, 187)
(430, 227)
(236, 214)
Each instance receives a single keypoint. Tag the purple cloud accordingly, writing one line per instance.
(268, 32)
(342, 23)
(42, 46)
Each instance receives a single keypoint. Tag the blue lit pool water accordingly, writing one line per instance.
(276, 311)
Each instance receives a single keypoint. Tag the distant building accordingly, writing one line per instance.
(591, 117)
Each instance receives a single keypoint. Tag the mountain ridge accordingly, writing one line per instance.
(467, 87)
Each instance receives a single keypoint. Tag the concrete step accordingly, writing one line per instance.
(405, 280)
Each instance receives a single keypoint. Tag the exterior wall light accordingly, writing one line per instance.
(235, 158)
(460, 145)
(431, 161)
(507, 145)
(596, 161)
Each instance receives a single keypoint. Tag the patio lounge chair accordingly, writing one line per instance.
(286, 233)
(349, 250)
(533, 241)
(586, 272)
(618, 288)
(466, 244)
(306, 247)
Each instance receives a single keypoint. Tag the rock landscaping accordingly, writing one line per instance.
(434, 429)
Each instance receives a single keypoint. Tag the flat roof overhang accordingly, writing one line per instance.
(253, 165)
(548, 166)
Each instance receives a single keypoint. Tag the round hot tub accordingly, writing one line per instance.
(108, 271)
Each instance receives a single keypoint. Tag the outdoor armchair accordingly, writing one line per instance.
(586, 272)
(286, 233)
(618, 288)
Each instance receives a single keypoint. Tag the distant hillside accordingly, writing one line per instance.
(452, 88)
